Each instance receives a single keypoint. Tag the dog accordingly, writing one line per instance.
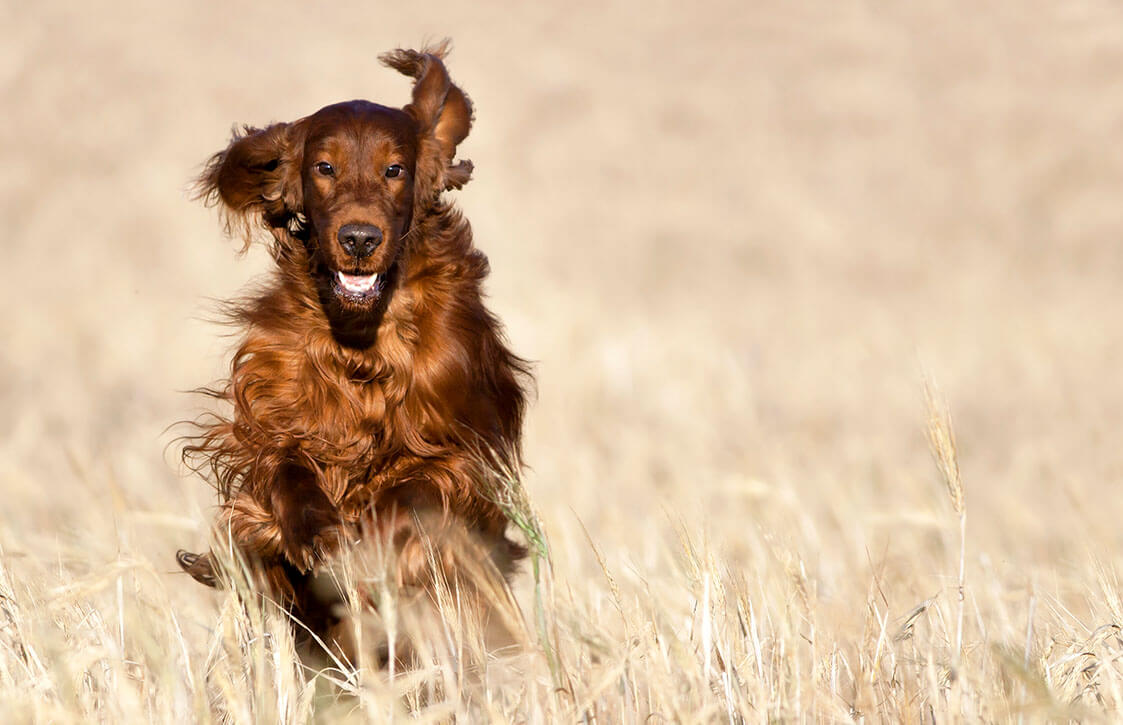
(373, 394)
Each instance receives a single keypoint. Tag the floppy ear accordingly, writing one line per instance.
(257, 177)
(443, 113)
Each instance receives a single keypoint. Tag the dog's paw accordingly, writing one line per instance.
(310, 532)
(199, 566)
(306, 554)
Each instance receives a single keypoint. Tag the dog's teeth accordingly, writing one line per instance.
(357, 282)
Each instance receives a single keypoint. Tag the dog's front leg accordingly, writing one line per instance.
(290, 519)
(310, 524)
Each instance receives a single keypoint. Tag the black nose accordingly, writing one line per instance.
(359, 240)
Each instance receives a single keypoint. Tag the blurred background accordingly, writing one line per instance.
(732, 236)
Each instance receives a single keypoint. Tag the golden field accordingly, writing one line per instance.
(735, 238)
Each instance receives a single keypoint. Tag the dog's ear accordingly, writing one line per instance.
(256, 177)
(443, 113)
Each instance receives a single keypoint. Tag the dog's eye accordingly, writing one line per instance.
(324, 168)
(394, 171)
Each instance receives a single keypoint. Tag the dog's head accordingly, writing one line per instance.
(347, 183)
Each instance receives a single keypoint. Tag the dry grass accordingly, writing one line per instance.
(733, 237)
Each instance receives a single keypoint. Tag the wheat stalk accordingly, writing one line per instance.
(941, 442)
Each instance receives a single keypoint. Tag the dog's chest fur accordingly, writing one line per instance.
(343, 408)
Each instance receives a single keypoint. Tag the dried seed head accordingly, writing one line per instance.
(941, 441)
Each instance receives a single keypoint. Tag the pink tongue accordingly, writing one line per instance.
(358, 282)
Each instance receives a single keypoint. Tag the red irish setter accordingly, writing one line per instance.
(373, 393)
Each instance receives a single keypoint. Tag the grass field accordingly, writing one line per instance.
(737, 239)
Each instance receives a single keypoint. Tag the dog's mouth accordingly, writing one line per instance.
(358, 288)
